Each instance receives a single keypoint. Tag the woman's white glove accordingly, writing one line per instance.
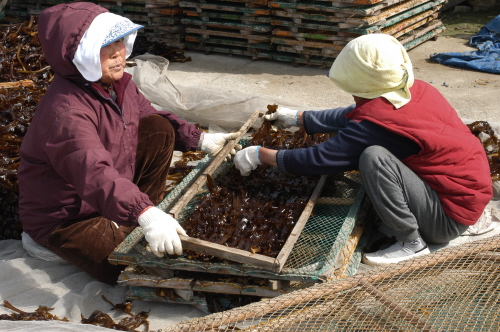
(213, 143)
(284, 117)
(160, 230)
(247, 159)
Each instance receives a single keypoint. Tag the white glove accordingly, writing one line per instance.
(160, 230)
(284, 117)
(213, 143)
(247, 159)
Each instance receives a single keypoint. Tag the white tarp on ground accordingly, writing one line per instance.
(28, 282)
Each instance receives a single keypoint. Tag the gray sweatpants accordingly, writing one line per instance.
(407, 206)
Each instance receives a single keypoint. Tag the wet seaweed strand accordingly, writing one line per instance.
(487, 136)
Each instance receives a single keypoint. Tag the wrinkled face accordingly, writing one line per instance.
(112, 61)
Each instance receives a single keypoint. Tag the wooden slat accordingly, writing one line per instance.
(334, 45)
(323, 52)
(233, 254)
(228, 25)
(228, 34)
(130, 241)
(221, 287)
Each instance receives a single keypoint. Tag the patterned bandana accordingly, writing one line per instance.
(119, 30)
(104, 29)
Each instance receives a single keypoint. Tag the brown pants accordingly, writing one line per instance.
(87, 243)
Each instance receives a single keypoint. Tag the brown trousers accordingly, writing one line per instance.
(87, 243)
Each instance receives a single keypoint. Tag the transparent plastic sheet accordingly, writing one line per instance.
(198, 104)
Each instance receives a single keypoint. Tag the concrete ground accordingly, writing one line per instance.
(475, 95)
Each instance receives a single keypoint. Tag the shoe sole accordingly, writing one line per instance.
(372, 262)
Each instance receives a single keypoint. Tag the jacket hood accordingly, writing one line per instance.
(60, 29)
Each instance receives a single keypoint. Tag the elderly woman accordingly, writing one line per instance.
(425, 173)
(95, 159)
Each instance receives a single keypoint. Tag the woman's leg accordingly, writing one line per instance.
(154, 155)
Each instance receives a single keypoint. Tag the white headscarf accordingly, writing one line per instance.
(104, 29)
(372, 66)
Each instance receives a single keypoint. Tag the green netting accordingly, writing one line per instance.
(325, 235)
(168, 202)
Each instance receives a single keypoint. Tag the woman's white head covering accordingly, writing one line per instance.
(372, 66)
(104, 29)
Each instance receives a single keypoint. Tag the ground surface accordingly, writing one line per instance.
(475, 95)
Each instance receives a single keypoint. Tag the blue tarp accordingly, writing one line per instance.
(487, 56)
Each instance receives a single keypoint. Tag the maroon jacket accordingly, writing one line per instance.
(451, 160)
(78, 156)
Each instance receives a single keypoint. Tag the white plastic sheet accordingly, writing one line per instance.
(29, 282)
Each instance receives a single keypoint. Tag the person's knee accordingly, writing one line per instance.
(155, 123)
(370, 157)
(156, 130)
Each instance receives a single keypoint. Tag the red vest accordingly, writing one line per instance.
(452, 161)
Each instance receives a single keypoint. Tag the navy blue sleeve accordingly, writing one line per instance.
(326, 121)
(341, 153)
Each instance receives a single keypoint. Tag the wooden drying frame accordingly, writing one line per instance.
(234, 254)
(241, 256)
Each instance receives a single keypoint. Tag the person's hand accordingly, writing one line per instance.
(213, 143)
(160, 230)
(284, 117)
(247, 160)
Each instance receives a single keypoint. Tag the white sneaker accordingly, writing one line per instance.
(396, 253)
(483, 225)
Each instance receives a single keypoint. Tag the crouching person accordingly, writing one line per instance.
(425, 172)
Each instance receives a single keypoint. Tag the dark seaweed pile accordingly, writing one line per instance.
(24, 77)
(255, 213)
